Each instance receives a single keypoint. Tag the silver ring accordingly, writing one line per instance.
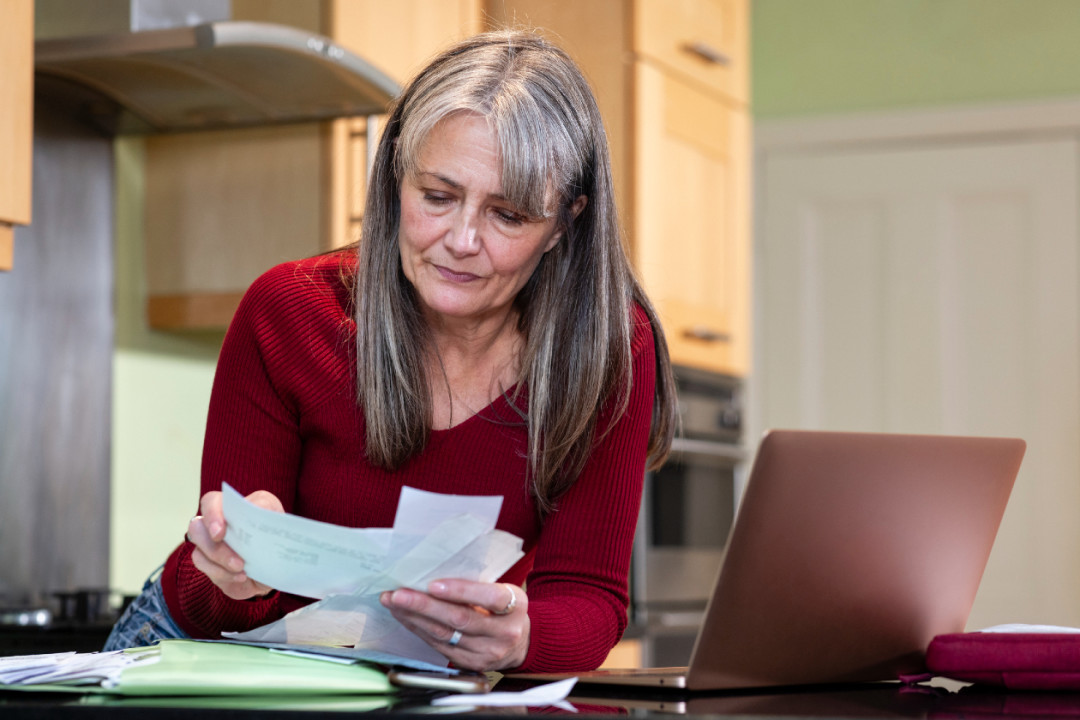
(454, 639)
(510, 605)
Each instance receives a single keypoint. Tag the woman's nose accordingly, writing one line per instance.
(464, 236)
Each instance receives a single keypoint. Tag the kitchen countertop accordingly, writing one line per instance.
(870, 700)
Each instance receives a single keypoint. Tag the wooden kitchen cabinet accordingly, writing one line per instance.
(224, 206)
(704, 41)
(400, 37)
(221, 208)
(691, 197)
(671, 79)
(16, 121)
(690, 218)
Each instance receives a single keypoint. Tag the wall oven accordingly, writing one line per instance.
(687, 511)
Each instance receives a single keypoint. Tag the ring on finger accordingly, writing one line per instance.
(510, 605)
(454, 639)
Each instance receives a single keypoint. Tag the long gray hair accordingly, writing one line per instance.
(574, 312)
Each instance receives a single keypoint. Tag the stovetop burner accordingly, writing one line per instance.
(77, 620)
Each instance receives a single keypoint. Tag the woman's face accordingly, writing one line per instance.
(465, 248)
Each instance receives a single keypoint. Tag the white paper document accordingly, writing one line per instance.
(434, 536)
(69, 668)
(298, 555)
(419, 510)
(550, 694)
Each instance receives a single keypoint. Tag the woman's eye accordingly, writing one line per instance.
(436, 199)
(510, 217)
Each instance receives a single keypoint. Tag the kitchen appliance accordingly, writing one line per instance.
(77, 620)
(209, 76)
(687, 510)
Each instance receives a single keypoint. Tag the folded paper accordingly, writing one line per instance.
(434, 536)
(554, 693)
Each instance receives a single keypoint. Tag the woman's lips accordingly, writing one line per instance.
(454, 276)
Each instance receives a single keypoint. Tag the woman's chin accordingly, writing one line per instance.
(455, 307)
(449, 310)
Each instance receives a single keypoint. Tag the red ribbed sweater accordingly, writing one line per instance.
(284, 417)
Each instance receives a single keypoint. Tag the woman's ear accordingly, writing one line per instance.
(579, 204)
(575, 209)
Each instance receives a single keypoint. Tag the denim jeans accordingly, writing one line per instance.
(146, 619)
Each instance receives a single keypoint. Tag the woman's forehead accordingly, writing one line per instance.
(524, 179)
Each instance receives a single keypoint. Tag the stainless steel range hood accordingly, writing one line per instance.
(210, 76)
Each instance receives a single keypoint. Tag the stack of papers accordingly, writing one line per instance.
(327, 647)
(190, 667)
(434, 536)
(67, 668)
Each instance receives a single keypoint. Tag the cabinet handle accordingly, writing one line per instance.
(705, 334)
(707, 52)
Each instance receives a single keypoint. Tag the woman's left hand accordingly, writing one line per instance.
(479, 626)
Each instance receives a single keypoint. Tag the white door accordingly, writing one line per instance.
(933, 289)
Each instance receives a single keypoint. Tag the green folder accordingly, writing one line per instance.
(309, 702)
(191, 668)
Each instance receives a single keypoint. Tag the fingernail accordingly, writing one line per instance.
(216, 529)
(236, 564)
(384, 598)
(437, 587)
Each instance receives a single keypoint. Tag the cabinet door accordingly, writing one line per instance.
(703, 41)
(690, 210)
(221, 208)
(16, 120)
(400, 37)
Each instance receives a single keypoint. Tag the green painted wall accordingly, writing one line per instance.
(161, 389)
(814, 57)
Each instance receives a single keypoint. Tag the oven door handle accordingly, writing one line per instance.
(711, 448)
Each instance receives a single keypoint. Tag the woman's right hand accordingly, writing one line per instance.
(213, 557)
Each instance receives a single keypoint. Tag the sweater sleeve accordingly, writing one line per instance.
(578, 586)
(252, 440)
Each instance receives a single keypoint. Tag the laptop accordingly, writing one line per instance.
(850, 552)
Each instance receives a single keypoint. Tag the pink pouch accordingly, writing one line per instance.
(1018, 661)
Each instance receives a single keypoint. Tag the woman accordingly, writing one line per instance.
(488, 338)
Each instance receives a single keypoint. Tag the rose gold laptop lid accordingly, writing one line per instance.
(850, 552)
